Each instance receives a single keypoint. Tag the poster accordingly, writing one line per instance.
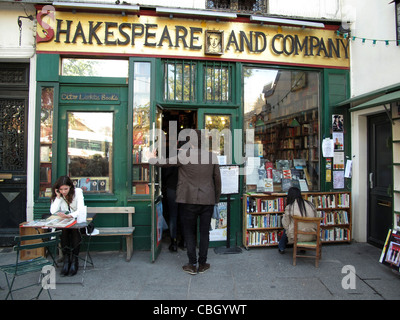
(337, 123)
(338, 161)
(338, 141)
(218, 227)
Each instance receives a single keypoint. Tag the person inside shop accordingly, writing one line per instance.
(170, 176)
(296, 206)
(198, 190)
(68, 201)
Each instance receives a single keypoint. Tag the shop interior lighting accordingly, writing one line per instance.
(287, 21)
(192, 12)
(97, 6)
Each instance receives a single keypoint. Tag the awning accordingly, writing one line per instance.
(382, 100)
(366, 97)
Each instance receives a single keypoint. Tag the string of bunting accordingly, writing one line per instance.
(363, 40)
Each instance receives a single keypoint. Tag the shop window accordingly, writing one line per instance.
(141, 128)
(282, 106)
(94, 67)
(220, 139)
(46, 139)
(179, 80)
(238, 5)
(90, 141)
(217, 78)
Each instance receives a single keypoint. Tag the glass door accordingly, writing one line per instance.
(222, 127)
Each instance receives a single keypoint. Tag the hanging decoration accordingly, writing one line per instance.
(365, 39)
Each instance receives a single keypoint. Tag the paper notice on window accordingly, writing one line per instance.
(338, 179)
(251, 170)
(347, 171)
(229, 179)
(327, 148)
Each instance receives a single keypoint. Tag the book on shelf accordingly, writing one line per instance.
(54, 221)
(264, 221)
(259, 238)
(335, 234)
(265, 205)
(334, 217)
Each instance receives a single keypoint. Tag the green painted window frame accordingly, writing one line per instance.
(153, 66)
(199, 100)
(54, 162)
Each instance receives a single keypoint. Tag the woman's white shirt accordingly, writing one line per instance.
(76, 207)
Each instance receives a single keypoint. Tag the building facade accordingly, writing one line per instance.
(374, 48)
(107, 76)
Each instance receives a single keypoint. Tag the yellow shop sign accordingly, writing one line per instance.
(106, 34)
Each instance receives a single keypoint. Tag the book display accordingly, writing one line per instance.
(396, 167)
(262, 216)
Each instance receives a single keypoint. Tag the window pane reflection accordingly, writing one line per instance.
(46, 139)
(141, 128)
(94, 67)
(220, 139)
(282, 106)
(180, 80)
(90, 136)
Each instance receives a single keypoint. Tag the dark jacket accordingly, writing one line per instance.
(199, 180)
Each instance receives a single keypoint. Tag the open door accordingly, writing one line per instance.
(157, 218)
(224, 231)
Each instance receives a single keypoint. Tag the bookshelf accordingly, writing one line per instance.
(262, 216)
(396, 166)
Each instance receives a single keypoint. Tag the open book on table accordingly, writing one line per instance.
(54, 221)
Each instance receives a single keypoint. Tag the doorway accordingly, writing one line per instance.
(184, 119)
(224, 121)
(14, 91)
(380, 177)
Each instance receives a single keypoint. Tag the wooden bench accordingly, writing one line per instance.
(127, 232)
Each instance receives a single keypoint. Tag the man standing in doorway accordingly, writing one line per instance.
(198, 190)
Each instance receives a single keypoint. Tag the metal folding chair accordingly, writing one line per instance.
(49, 240)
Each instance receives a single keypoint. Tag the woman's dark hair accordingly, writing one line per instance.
(63, 181)
(294, 194)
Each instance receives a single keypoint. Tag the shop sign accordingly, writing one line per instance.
(73, 96)
(64, 32)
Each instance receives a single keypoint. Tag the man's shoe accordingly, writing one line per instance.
(281, 251)
(189, 268)
(203, 267)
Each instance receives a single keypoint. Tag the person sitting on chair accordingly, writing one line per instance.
(67, 201)
(295, 206)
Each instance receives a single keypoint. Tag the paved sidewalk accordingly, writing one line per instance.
(256, 274)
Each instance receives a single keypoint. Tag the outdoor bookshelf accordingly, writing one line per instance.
(396, 167)
(262, 217)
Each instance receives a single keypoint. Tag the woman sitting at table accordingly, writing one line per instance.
(67, 201)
